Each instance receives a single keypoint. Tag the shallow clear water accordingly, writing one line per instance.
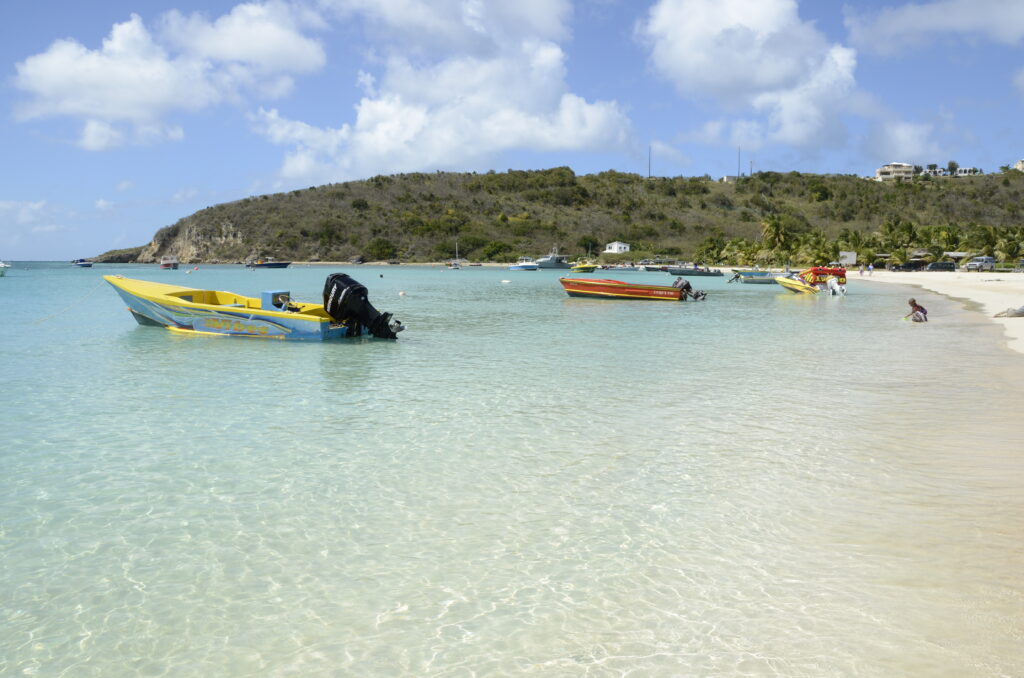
(523, 484)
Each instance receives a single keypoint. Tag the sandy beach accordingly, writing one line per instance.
(990, 292)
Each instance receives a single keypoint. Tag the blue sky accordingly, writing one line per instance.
(119, 118)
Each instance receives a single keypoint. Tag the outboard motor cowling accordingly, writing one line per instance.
(345, 301)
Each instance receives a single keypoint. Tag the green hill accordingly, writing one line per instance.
(768, 217)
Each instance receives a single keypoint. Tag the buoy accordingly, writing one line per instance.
(505, 281)
(401, 294)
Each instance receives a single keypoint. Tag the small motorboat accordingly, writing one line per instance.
(169, 262)
(583, 268)
(269, 262)
(82, 263)
(524, 264)
(687, 271)
(617, 289)
(3, 268)
(815, 280)
(346, 312)
(752, 277)
(553, 260)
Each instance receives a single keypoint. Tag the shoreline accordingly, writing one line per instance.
(991, 293)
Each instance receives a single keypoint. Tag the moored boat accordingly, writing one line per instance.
(815, 279)
(169, 262)
(753, 277)
(269, 262)
(553, 260)
(583, 268)
(3, 268)
(82, 263)
(524, 264)
(603, 288)
(346, 312)
(693, 270)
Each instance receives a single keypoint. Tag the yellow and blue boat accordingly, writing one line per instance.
(583, 268)
(346, 312)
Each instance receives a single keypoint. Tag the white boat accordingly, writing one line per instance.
(3, 268)
(554, 260)
(524, 264)
(454, 263)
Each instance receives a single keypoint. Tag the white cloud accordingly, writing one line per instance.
(753, 54)
(102, 204)
(660, 151)
(469, 26)
(806, 114)
(264, 36)
(897, 29)
(1018, 81)
(499, 86)
(898, 141)
(21, 212)
(21, 218)
(184, 194)
(123, 90)
(125, 185)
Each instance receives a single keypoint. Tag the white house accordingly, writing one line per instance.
(937, 172)
(966, 171)
(894, 170)
(616, 247)
(1019, 165)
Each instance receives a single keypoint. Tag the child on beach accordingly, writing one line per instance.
(918, 313)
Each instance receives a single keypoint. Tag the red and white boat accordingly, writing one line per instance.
(617, 289)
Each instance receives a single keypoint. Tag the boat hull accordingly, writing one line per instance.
(617, 289)
(754, 277)
(269, 264)
(688, 272)
(184, 309)
(796, 285)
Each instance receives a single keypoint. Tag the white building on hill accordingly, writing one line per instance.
(616, 247)
(894, 171)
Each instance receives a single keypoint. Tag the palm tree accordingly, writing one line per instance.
(774, 234)
(739, 251)
(982, 239)
(1008, 249)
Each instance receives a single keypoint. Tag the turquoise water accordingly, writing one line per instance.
(523, 484)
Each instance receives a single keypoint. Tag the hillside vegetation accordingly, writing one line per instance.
(766, 218)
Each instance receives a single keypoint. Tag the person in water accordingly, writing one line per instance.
(918, 313)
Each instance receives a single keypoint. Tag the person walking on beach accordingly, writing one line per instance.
(918, 313)
(871, 269)
(862, 269)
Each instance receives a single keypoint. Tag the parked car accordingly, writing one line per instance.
(912, 265)
(941, 266)
(981, 264)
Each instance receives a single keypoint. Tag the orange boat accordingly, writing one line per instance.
(617, 289)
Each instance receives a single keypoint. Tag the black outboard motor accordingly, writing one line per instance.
(345, 301)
